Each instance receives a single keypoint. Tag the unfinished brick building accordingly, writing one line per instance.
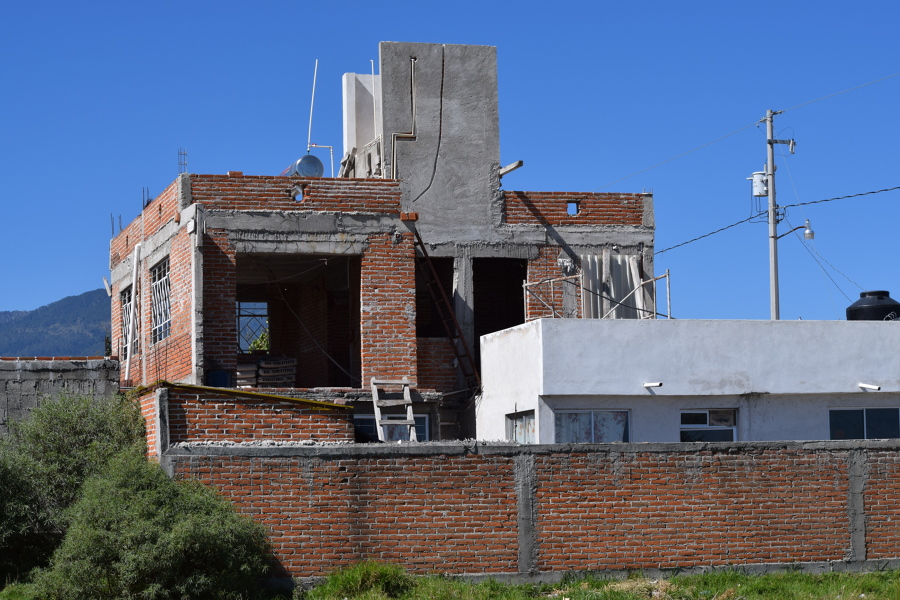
(318, 285)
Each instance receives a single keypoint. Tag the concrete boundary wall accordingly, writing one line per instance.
(536, 512)
(25, 381)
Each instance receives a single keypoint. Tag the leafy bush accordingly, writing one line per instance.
(44, 461)
(137, 533)
(365, 579)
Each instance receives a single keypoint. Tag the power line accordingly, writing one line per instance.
(707, 234)
(763, 212)
(679, 156)
(742, 129)
(840, 197)
(839, 93)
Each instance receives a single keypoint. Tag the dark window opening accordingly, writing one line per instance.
(498, 295)
(716, 425)
(864, 424)
(428, 316)
(303, 308)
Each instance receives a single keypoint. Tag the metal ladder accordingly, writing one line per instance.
(378, 402)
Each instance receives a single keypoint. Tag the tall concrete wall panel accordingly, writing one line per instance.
(25, 383)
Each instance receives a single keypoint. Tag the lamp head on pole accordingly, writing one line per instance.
(808, 233)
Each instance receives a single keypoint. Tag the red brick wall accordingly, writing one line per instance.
(246, 192)
(439, 513)
(220, 343)
(551, 208)
(649, 510)
(882, 508)
(387, 306)
(204, 417)
(546, 267)
(450, 508)
(436, 364)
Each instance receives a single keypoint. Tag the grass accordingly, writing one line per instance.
(372, 581)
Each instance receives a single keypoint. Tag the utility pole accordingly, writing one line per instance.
(773, 209)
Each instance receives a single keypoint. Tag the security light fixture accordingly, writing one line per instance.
(808, 234)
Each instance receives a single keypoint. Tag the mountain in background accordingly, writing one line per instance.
(73, 326)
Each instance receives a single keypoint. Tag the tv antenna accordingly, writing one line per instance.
(182, 160)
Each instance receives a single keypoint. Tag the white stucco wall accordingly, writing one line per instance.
(782, 376)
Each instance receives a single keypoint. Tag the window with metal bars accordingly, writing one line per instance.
(126, 298)
(253, 325)
(160, 311)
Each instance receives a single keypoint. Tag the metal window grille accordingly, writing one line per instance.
(160, 315)
(126, 297)
(253, 325)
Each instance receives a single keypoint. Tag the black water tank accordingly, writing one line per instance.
(874, 306)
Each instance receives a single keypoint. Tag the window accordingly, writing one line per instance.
(125, 300)
(591, 426)
(161, 315)
(253, 325)
(520, 427)
(365, 428)
(864, 423)
(717, 425)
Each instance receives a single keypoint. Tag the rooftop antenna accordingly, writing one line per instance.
(182, 160)
(311, 104)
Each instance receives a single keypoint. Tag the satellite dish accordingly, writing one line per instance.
(308, 166)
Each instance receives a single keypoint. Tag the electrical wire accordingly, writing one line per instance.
(785, 206)
(825, 271)
(755, 123)
(707, 234)
(841, 197)
(679, 156)
(839, 93)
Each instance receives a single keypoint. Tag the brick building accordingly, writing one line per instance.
(314, 286)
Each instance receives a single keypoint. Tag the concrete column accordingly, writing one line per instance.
(856, 510)
(525, 492)
(464, 297)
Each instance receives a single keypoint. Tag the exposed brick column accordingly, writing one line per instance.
(388, 311)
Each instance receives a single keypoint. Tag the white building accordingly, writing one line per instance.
(592, 380)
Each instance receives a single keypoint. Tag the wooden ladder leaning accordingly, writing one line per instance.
(378, 402)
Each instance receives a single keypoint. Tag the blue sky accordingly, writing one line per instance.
(97, 98)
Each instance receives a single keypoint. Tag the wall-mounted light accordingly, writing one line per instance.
(653, 384)
(867, 386)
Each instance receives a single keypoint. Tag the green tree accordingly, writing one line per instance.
(137, 533)
(44, 461)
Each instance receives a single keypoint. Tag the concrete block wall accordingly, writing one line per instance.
(546, 510)
(26, 381)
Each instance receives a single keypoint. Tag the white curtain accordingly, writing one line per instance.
(607, 281)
